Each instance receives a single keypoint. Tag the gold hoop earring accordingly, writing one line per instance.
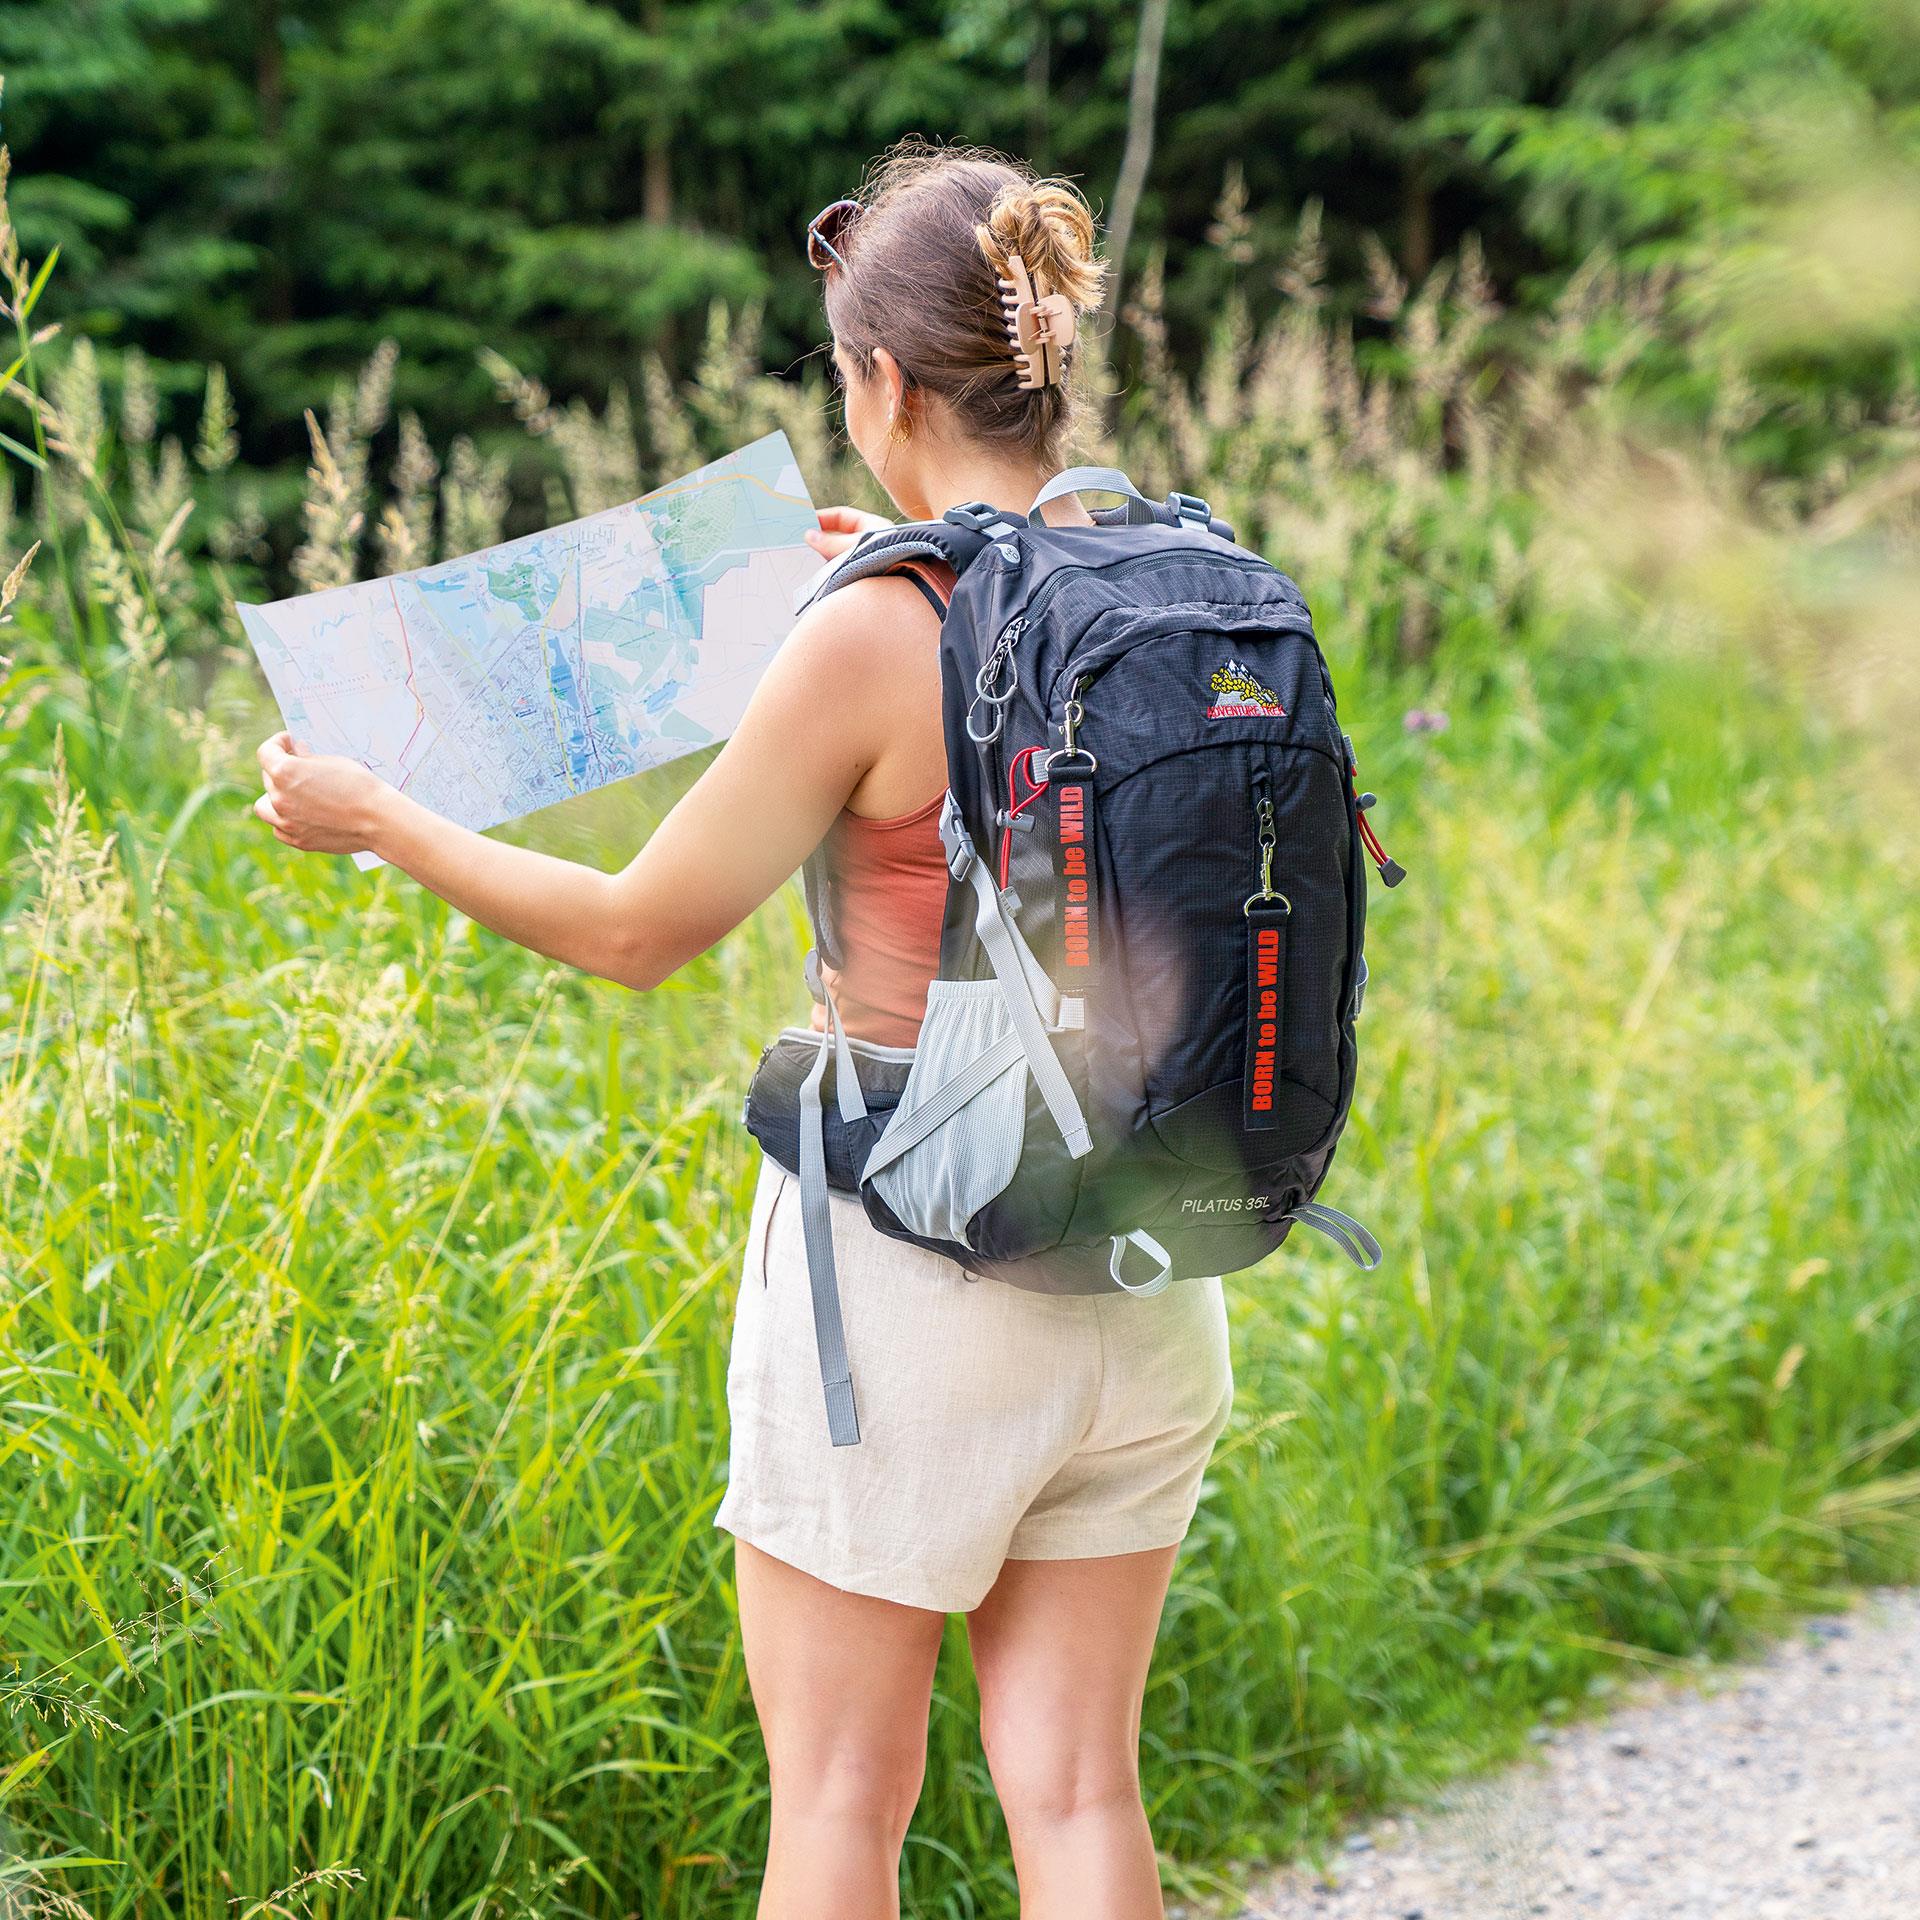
(901, 431)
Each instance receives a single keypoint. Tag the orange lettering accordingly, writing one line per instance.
(1073, 815)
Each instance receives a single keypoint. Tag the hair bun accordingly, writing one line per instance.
(1050, 226)
(924, 275)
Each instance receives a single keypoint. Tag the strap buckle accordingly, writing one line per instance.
(954, 837)
(977, 517)
(1190, 507)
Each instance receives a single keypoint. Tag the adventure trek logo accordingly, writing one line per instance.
(1239, 696)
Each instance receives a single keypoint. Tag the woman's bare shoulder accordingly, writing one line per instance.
(872, 637)
(865, 624)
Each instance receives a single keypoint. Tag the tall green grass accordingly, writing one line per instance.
(366, 1288)
(364, 1282)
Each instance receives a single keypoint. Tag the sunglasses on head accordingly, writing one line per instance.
(826, 227)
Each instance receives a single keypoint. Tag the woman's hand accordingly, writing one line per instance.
(840, 527)
(318, 802)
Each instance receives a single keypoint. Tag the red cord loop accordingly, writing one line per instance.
(1020, 765)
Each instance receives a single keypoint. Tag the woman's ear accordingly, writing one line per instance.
(886, 369)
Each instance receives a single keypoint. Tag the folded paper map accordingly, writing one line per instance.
(503, 681)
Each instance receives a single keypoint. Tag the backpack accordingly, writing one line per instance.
(1138, 1054)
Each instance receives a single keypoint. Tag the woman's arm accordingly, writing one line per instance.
(826, 710)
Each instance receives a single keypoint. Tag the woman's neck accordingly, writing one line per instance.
(961, 476)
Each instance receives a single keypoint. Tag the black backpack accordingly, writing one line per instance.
(1138, 1055)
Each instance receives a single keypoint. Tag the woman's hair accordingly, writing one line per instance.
(923, 261)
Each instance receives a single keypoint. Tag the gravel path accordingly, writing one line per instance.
(1787, 1790)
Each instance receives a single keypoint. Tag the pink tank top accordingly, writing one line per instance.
(889, 894)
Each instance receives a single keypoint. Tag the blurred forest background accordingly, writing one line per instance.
(279, 188)
(365, 1282)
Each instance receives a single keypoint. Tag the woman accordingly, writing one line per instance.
(1030, 1460)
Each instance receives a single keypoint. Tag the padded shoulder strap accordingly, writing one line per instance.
(894, 549)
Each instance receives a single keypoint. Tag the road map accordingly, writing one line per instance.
(498, 683)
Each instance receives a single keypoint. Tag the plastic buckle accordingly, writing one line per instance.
(816, 986)
(957, 841)
(975, 517)
(1190, 507)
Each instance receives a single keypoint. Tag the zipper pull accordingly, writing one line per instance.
(1072, 713)
(1391, 871)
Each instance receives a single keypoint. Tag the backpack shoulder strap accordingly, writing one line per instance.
(930, 543)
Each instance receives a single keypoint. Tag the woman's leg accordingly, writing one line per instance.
(1061, 1648)
(842, 1684)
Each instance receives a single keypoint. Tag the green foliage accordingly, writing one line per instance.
(278, 189)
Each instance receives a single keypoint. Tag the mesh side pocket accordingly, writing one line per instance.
(967, 1098)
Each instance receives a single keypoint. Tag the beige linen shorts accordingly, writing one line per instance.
(995, 1424)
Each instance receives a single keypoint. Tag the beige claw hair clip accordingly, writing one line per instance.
(1040, 326)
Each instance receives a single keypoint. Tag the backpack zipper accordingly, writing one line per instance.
(1101, 659)
(1126, 569)
(988, 691)
(1089, 669)
(1146, 563)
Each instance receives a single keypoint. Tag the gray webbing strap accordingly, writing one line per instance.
(1093, 480)
(816, 883)
(962, 860)
(906, 1131)
(1056, 1009)
(846, 1076)
(1343, 1230)
(1158, 1281)
(816, 1218)
(1014, 967)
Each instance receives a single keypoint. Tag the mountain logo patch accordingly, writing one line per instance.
(1238, 695)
